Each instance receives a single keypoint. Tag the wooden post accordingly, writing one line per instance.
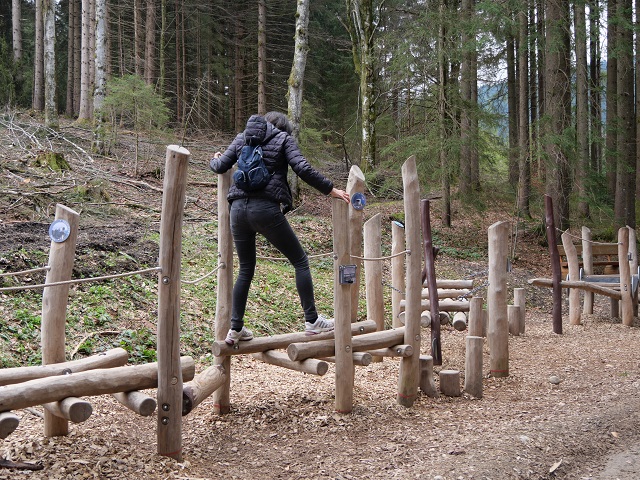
(73, 409)
(397, 271)
(574, 275)
(513, 318)
(450, 383)
(169, 424)
(625, 277)
(473, 366)
(429, 274)
(342, 309)
(587, 266)
(54, 307)
(476, 322)
(222, 322)
(427, 384)
(373, 273)
(409, 378)
(497, 300)
(355, 184)
(519, 299)
(556, 273)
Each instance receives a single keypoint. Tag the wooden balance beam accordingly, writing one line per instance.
(445, 305)
(282, 341)
(115, 357)
(587, 286)
(94, 382)
(361, 343)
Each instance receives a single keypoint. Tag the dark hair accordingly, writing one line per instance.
(280, 121)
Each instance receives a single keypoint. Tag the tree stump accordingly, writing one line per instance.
(450, 383)
(427, 384)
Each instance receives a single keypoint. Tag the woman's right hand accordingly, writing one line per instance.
(337, 193)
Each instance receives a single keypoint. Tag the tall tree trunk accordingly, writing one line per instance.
(595, 107)
(238, 67)
(86, 93)
(138, 37)
(38, 66)
(77, 55)
(533, 88)
(70, 57)
(16, 23)
(512, 103)
(150, 44)
(557, 107)
(262, 57)
(637, 93)
(442, 114)
(611, 149)
(50, 111)
(362, 30)
(179, 59)
(582, 108)
(624, 208)
(101, 76)
(467, 114)
(161, 60)
(524, 166)
(540, 40)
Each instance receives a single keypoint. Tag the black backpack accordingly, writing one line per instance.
(252, 173)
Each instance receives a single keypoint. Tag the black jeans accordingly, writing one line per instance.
(256, 215)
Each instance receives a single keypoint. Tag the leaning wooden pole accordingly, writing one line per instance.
(498, 335)
(342, 309)
(54, 307)
(556, 273)
(355, 184)
(221, 397)
(409, 377)
(373, 272)
(587, 266)
(625, 277)
(429, 275)
(169, 425)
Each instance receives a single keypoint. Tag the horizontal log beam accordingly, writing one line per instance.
(447, 293)
(452, 283)
(445, 305)
(74, 409)
(280, 359)
(115, 357)
(395, 351)
(137, 402)
(282, 341)
(202, 385)
(589, 287)
(8, 423)
(93, 382)
(360, 359)
(361, 343)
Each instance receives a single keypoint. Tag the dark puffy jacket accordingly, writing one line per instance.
(279, 151)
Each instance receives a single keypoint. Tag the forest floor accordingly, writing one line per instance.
(282, 423)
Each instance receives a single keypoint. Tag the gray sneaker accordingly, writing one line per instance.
(234, 337)
(322, 324)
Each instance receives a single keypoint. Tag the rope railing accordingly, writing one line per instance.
(24, 272)
(587, 240)
(207, 275)
(79, 280)
(366, 259)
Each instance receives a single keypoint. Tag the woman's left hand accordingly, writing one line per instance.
(336, 193)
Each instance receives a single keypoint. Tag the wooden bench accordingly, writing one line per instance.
(604, 255)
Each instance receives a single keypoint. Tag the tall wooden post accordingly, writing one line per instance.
(54, 307)
(587, 266)
(355, 184)
(397, 271)
(432, 284)
(498, 335)
(633, 265)
(409, 377)
(342, 309)
(373, 273)
(625, 277)
(574, 275)
(169, 370)
(221, 397)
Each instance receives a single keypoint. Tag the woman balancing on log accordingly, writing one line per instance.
(259, 207)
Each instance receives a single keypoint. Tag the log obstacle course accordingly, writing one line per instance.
(620, 285)
(58, 384)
